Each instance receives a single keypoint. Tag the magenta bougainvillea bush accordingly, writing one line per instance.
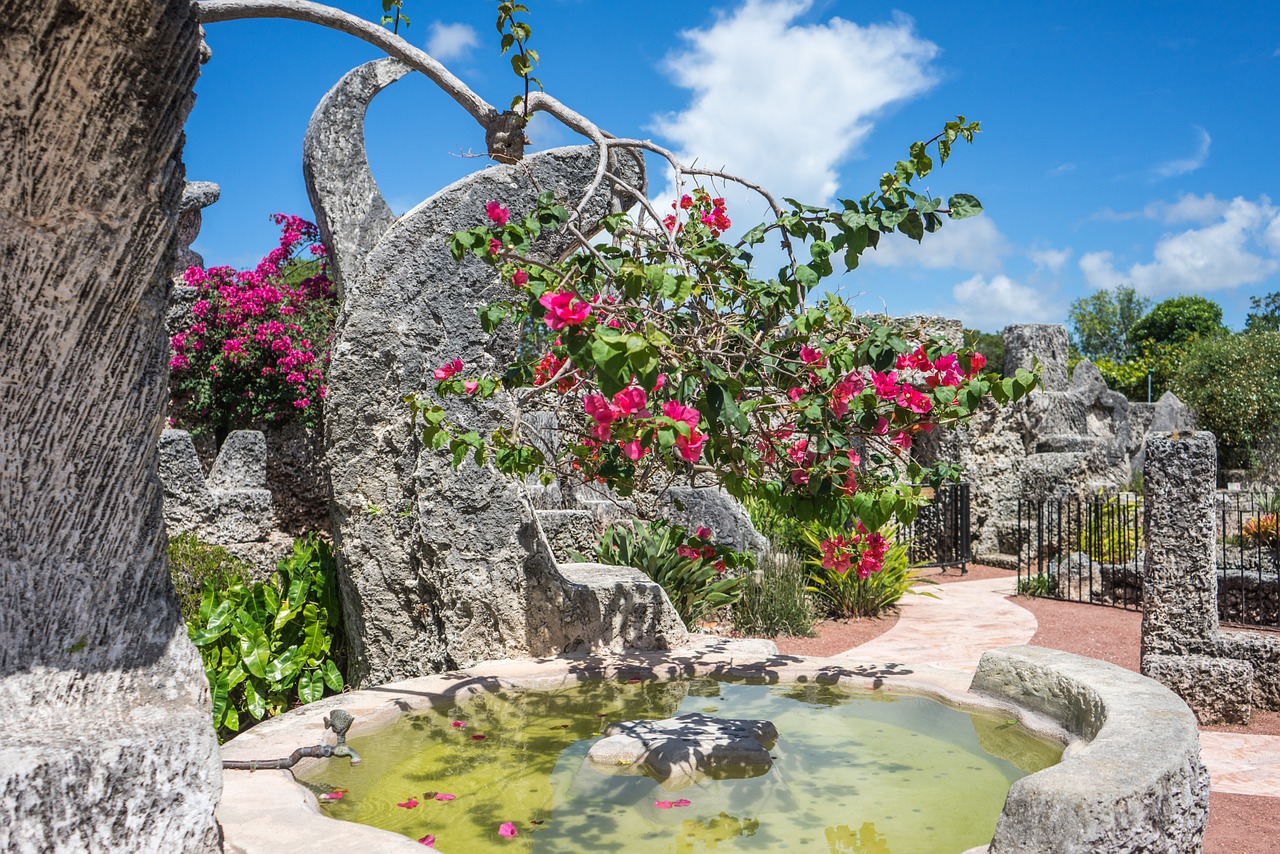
(256, 349)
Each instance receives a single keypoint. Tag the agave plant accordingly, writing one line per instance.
(698, 577)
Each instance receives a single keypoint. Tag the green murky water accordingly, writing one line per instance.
(867, 772)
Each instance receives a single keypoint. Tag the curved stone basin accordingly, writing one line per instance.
(1131, 776)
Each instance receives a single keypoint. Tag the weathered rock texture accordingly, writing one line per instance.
(197, 196)
(680, 751)
(1137, 784)
(440, 567)
(1068, 438)
(105, 735)
(1221, 675)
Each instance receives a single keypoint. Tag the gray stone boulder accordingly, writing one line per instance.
(1047, 342)
(232, 504)
(680, 751)
(439, 567)
(693, 507)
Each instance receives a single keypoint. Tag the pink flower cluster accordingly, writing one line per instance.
(631, 403)
(838, 552)
(257, 346)
(564, 309)
(708, 211)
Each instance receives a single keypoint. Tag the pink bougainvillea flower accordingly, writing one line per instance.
(703, 533)
(886, 385)
(633, 450)
(445, 796)
(478, 737)
(976, 363)
(471, 386)
(677, 411)
(660, 382)
(428, 840)
(448, 370)
(902, 440)
(564, 309)
(458, 724)
(630, 401)
(508, 830)
(497, 213)
(686, 202)
(600, 409)
(335, 795)
(519, 278)
(882, 426)
(495, 246)
(810, 356)
(795, 394)
(690, 447)
(664, 805)
(408, 805)
(683, 802)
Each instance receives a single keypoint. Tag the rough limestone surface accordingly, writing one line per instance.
(693, 507)
(439, 567)
(617, 608)
(569, 531)
(1044, 341)
(1138, 784)
(1180, 585)
(680, 751)
(231, 505)
(105, 735)
(1218, 690)
(1180, 608)
(195, 197)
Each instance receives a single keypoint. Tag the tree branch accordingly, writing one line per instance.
(213, 11)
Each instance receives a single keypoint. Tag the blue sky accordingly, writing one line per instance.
(1123, 143)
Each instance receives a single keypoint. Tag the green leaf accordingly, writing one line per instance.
(912, 226)
(963, 206)
(332, 677)
(310, 686)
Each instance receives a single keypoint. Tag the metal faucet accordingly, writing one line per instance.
(339, 721)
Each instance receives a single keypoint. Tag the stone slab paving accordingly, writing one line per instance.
(967, 618)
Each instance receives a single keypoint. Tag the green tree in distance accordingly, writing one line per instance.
(1265, 316)
(1177, 321)
(1100, 323)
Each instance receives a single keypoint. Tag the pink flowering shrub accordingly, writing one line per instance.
(666, 354)
(256, 348)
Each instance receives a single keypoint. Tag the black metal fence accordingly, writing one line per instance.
(940, 535)
(1091, 550)
(1082, 549)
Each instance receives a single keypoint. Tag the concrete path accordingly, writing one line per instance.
(967, 618)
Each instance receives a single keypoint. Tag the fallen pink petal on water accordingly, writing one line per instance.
(332, 796)
(458, 724)
(445, 797)
(682, 803)
(508, 830)
(428, 840)
(663, 805)
(409, 804)
(478, 737)
(635, 679)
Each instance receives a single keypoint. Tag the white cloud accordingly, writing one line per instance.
(974, 245)
(1173, 168)
(1238, 248)
(782, 103)
(451, 41)
(1052, 260)
(1188, 208)
(994, 303)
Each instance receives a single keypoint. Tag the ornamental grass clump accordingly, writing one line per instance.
(256, 347)
(775, 600)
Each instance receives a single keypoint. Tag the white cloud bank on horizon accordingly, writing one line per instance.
(991, 304)
(451, 41)
(975, 245)
(1235, 243)
(782, 104)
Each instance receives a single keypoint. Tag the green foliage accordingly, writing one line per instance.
(1044, 586)
(1178, 321)
(845, 595)
(1100, 323)
(1111, 531)
(783, 531)
(393, 17)
(989, 344)
(266, 647)
(1265, 316)
(775, 600)
(694, 572)
(1231, 383)
(193, 564)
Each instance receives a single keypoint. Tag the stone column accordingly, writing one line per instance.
(1180, 584)
(106, 742)
(1044, 341)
